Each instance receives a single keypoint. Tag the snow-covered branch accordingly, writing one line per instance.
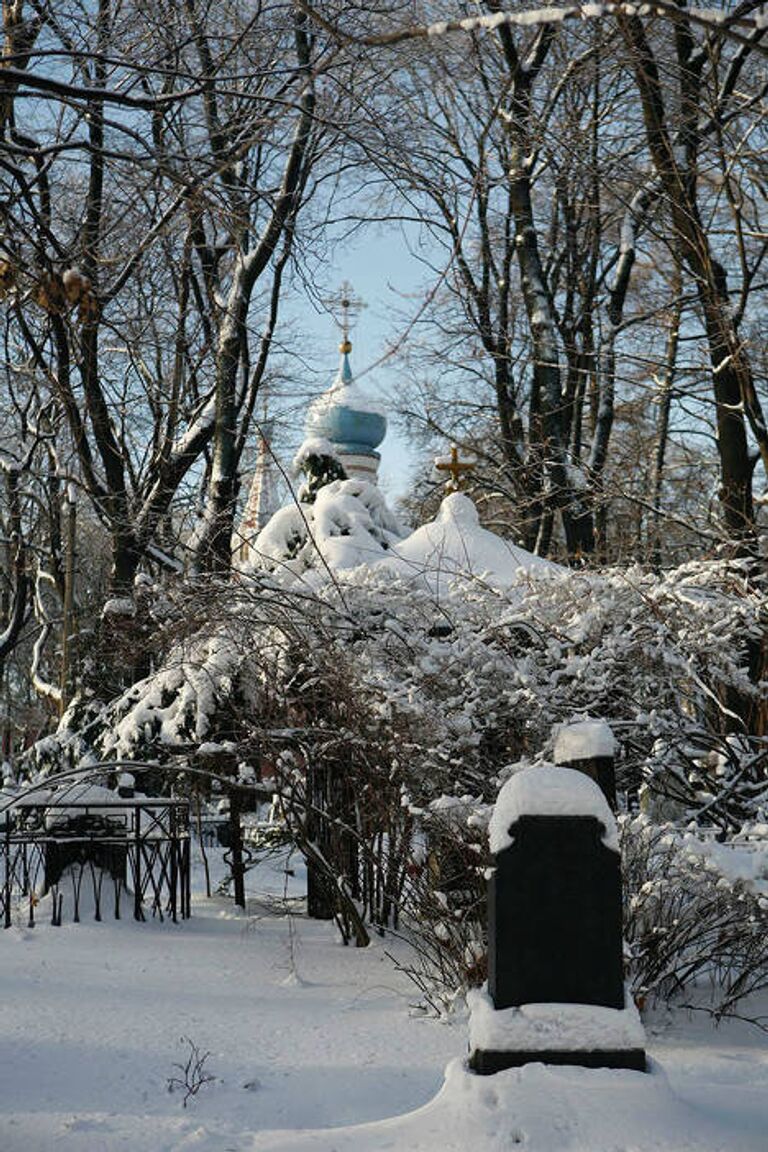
(736, 26)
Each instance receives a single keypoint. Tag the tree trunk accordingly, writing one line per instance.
(214, 542)
(732, 381)
(662, 428)
(577, 524)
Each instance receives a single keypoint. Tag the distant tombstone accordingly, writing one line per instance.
(77, 845)
(589, 746)
(126, 786)
(229, 834)
(555, 970)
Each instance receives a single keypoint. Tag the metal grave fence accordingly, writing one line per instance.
(99, 857)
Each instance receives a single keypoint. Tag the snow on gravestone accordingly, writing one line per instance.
(589, 746)
(555, 973)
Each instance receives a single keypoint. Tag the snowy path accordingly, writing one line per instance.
(306, 1037)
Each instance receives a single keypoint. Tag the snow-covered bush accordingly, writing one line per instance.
(468, 683)
(696, 915)
(401, 706)
(444, 902)
(335, 524)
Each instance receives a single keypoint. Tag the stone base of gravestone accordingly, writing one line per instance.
(588, 1036)
(486, 1063)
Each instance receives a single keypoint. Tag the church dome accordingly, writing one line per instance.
(345, 416)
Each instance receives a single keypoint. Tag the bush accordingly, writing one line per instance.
(696, 916)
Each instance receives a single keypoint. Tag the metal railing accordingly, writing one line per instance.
(141, 845)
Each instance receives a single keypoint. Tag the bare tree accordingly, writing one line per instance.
(140, 213)
(710, 91)
(685, 179)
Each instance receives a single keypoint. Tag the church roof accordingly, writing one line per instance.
(455, 546)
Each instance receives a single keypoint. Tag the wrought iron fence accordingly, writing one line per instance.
(136, 849)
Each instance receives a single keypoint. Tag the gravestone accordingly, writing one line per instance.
(555, 970)
(589, 746)
(126, 786)
(85, 842)
(555, 916)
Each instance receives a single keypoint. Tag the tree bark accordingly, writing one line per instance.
(213, 545)
(546, 383)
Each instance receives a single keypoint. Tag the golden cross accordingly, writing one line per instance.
(455, 466)
(350, 305)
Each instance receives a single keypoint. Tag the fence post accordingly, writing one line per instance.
(138, 914)
(8, 886)
(236, 848)
(174, 861)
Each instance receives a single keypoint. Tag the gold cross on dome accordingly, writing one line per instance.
(455, 466)
(350, 306)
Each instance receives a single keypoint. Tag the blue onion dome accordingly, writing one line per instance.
(352, 421)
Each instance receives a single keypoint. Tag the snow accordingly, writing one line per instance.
(553, 1027)
(454, 545)
(214, 747)
(540, 16)
(348, 524)
(313, 1048)
(94, 799)
(119, 606)
(583, 740)
(347, 394)
(315, 446)
(71, 801)
(736, 863)
(175, 705)
(548, 790)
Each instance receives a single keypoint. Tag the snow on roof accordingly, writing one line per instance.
(350, 526)
(583, 740)
(76, 792)
(454, 544)
(347, 393)
(548, 790)
(71, 800)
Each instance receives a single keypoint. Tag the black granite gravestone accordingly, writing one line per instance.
(554, 916)
(555, 932)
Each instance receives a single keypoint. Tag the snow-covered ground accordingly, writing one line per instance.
(314, 1046)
